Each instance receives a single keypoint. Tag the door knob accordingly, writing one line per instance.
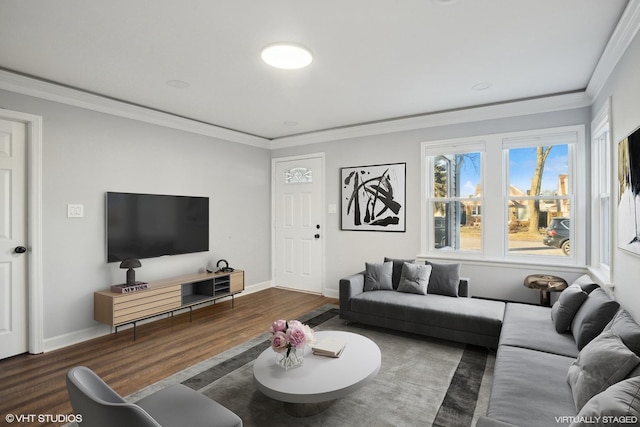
(317, 236)
(20, 249)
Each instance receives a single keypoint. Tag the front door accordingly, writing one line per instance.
(298, 254)
(13, 238)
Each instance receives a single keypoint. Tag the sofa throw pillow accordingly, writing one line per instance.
(567, 306)
(397, 269)
(415, 278)
(621, 400)
(601, 363)
(586, 283)
(378, 276)
(594, 314)
(627, 329)
(444, 280)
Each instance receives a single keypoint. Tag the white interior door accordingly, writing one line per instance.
(13, 239)
(298, 195)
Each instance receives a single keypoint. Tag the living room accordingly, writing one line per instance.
(91, 145)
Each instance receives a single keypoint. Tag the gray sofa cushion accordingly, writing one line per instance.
(529, 387)
(564, 310)
(378, 276)
(530, 326)
(472, 315)
(627, 329)
(444, 279)
(601, 363)
(398, 265)
(619, 400)
(592, 317)
(414, 279)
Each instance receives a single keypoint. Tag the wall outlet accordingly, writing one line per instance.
(75, 211)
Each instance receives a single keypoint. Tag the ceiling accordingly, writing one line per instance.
(374, 60)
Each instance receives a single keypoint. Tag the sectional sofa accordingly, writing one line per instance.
(574, 364)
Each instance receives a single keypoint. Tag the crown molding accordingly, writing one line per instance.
(495, 111)
(40, 89)
(619, 41)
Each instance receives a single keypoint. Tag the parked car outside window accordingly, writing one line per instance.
(558, 235)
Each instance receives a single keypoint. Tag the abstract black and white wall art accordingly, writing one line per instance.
(373, 197)
(629, 193)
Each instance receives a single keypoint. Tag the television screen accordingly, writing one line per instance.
(152, 225)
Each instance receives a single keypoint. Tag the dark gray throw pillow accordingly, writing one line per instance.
(567, 306)
(594, 314)
(444, 280)
(627, 329)
(600, 364)
(621, 400)
(377, 277)
(586, 283)
(397, 269)
(415, 278)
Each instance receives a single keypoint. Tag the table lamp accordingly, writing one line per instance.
(131, 274)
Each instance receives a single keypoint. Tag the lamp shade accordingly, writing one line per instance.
(130, 263)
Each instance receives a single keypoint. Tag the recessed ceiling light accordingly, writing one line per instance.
(178, 84)
(290, 123)
(481, 86)
(288, 56)
(444, 2)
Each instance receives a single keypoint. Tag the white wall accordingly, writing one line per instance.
(623, 88)
(86, 154)
(347, 251)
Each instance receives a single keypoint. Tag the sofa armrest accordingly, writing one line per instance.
(350, 286)
(463, 287)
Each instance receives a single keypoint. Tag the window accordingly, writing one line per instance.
(538, 197)
(506, 197)
(454, 209)
(298, 176)
(601, 192)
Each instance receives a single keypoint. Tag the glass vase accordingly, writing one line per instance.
(290, 358)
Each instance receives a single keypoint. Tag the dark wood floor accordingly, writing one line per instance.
(35, 384)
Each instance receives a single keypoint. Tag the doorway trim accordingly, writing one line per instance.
(35, 294)
(323, 216)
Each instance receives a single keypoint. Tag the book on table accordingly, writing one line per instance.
(330, 347)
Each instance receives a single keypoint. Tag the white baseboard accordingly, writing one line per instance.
(332, 293)
(76, 337)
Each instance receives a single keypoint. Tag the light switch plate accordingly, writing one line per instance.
(75, 211)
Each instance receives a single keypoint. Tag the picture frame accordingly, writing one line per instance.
(373, 197)
(629, 193)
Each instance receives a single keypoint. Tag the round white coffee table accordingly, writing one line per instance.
(320, 380)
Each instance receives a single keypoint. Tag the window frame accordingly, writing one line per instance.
(429, 152)
(494, 207)
(602, 238)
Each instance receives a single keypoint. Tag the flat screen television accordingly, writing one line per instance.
(153, 225)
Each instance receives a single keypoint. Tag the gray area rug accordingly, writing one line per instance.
(422, 382)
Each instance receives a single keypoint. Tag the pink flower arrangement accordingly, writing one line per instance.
(293, 334)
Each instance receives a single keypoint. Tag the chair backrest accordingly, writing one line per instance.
(99, 405)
